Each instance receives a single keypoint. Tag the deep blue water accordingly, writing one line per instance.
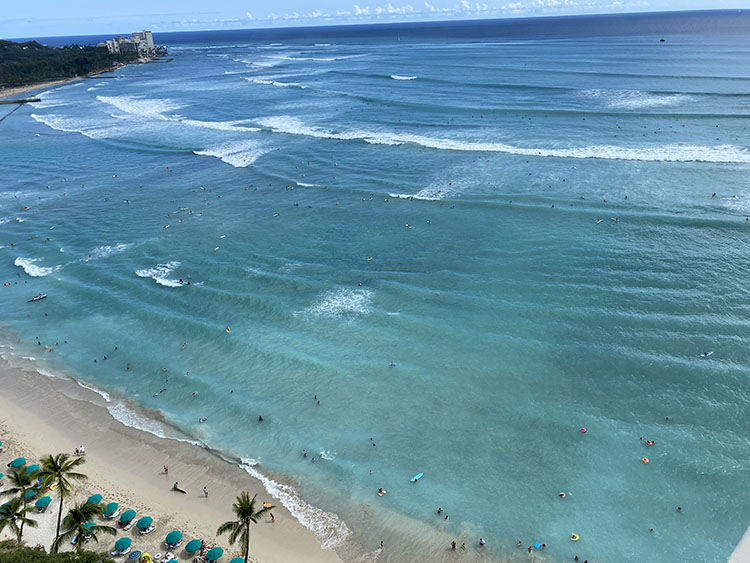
(529, 208)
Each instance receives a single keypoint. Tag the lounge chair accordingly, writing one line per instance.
(115, 553)
(115, 514)
(148, 530)
(129, 525)
(175, 546)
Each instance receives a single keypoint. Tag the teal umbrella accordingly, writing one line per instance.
(88, 525)
(1, 475)
(127, 516)
(111, 507)
(173, 538)
(237, 560)
(122, 544)
(43, 502)
(18, 462)
(30, 493)
(144, 522)
(32, 469)
(214, 553)
(95, 499)
(193, 545)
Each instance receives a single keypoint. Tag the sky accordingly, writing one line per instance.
(46, 18)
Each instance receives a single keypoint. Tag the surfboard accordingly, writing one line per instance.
(416, 477)
(381, 493)
(706, 354)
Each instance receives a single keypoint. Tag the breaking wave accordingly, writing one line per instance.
(159, 274)
(239, 154)
(659, 153)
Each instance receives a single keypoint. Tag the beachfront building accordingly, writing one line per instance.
(139, 42)
(144, 42)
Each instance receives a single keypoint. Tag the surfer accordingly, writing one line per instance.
(481, 542)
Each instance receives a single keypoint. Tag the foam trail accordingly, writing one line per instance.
(107, 250)
(341, 303)
(34, 271)
(397, 77)
(634, 99)
(330, 530)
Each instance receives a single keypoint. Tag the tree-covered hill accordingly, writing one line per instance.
(30, 62)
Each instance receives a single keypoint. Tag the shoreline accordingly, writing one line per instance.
(41, 415)
(10, 91)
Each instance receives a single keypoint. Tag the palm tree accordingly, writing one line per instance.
(245, 511)
(13, 512)
(20, 482)
(61, 469)
(75, 522)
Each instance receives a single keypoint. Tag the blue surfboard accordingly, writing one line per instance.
(416, 477)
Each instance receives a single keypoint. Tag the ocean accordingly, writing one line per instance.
(439, 248)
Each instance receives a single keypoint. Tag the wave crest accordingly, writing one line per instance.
(159, 274)
(34, 271)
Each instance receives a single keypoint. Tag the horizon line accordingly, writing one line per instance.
(402, 23)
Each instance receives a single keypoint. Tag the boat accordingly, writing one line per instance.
(38, 297)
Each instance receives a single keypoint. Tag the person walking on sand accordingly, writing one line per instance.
(453, 545)
(166, 470)
(205, 492)
(273, 518)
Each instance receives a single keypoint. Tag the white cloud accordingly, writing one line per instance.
(361, 11)
(249, 16)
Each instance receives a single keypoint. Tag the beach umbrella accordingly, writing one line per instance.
(193, 545)
(174, 537)
(214, 553)
(111, 507)
(43, 502)
(30, 493)
(95, 499)
(122, 544)
(1, 475)
(144, 522)
(32, 469)
(18, 462)
(237, 560)
(127, 516)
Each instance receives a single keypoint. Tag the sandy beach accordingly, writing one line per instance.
(41, 415)
(14, 91)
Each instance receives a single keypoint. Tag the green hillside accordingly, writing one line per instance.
(30, 62)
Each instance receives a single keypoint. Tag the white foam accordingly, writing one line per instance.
(107, 250)
(34, 271)
(19, 220)
(268, 82)
(340, 303)
(121, 413)
(634, 99)
(145, 107)
(92, 89)
(397, 77)
(322, 45)
(657, 153)
(239, 154)
(328, 528)
(159, 274)
(72, 125)
(304, 185)
(216, 125)
(329, 455)
(103, 394)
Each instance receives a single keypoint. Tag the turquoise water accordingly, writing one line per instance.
(459, 180)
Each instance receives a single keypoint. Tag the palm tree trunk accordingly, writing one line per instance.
(59, 516)
(247, 539)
